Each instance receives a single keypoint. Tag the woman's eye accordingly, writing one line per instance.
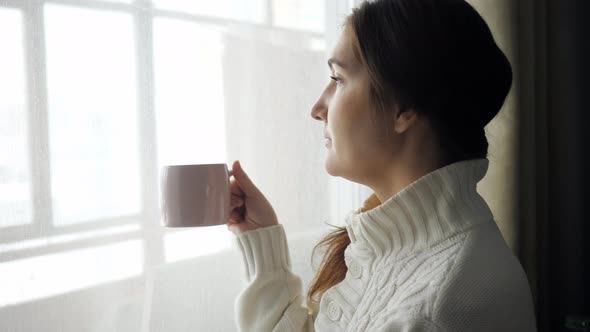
(337, 79)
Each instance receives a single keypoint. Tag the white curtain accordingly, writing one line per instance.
(96, 96)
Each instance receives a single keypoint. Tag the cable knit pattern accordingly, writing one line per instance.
(429, 258)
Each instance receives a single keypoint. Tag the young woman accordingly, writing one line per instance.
(414, 83)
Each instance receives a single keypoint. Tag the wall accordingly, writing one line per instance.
(499, 186)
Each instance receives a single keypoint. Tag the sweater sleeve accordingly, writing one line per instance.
(272, 299)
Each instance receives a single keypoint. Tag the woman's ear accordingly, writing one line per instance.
(404, 120)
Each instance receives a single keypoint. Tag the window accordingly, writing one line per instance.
(15, 179)
(95, 97)
(91, 86)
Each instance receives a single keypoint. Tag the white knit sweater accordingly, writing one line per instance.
(430, 258)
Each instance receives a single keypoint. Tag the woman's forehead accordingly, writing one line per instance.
(343, 53)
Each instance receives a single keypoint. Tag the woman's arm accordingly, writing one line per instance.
(273, 299)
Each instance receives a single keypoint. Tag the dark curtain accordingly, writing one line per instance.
(553, 39)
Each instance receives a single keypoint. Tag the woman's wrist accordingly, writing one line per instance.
(264, 249)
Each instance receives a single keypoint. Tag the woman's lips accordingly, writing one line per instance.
(327, 142)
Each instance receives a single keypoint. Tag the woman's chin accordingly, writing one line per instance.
(329, 165)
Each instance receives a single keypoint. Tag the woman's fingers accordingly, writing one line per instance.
(235, 217)
(236, 201)
(236, 228)
(244, 181)
(235, 188)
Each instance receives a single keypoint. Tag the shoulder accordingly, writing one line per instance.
(485, 287)
(484, 263)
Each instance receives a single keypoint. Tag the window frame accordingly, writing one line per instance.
(41, 227)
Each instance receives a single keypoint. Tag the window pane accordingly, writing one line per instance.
(15, 181)
(299, 14)
(253, 11)
(190, 120)
(93, 120)
(190, 243)
(49, 275)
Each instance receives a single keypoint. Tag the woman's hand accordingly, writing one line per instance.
(250, 210)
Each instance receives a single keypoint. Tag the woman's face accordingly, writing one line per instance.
(355, 146)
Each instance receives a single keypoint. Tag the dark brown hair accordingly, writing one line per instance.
(438, 58)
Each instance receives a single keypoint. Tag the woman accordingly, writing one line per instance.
(414, 82)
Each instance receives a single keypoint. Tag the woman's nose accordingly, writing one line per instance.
(317, 111)
(320, 108)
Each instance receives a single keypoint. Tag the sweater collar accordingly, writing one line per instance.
(438, 205)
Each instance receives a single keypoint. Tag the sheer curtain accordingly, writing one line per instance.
(96, 96)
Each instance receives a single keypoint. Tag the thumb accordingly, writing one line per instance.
(243, 180)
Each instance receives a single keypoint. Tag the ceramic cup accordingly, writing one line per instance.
(195, 195)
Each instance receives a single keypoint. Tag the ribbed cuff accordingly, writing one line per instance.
(264, 250)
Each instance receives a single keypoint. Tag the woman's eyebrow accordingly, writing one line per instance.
(337, 62)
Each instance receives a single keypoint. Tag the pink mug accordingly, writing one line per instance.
(195, 195)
